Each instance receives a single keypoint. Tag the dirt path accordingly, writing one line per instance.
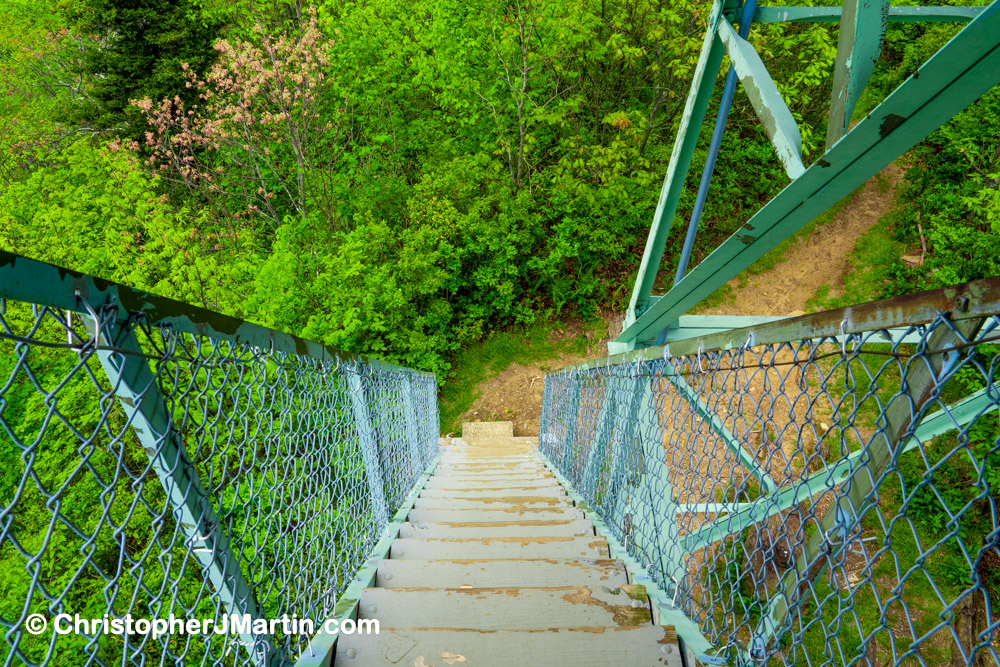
(515, 394)
(821, 259)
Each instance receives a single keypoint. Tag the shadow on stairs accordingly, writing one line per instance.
(495, 566)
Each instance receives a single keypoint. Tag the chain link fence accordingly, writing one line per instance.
(159, 460)
(809, 492)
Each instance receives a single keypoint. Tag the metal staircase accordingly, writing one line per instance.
(815, 490)
(495, 561)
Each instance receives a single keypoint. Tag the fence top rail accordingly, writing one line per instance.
(31, 281)
(979, 298)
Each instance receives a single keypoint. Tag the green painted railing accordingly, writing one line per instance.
(162, 460)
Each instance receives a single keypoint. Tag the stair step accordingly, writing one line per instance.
(499, 547)
(536, 491)
(514, 503)
(488, 472)
(506, 608)
(455, 529)
(502, 463)
(496, 514)
(569, 647)
(492, 467)
(497, 573)
(457, 484)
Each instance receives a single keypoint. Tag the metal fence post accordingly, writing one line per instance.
(412, 432)
(368, 443)
(146, 411)
(841, 519)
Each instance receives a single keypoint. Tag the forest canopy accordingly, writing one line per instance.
(400, 178)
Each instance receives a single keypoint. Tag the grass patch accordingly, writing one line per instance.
(488, 357)
(872, 263)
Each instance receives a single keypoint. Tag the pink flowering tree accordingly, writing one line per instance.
(260, 142)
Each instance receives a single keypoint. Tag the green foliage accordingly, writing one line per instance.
(537, 344)
(134, 49)
(391, 178)
(950, 197)
(122, 229)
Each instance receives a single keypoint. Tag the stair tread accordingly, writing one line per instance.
(489, 503)
(506, 608)
(570, 647)
(535, 491)
(458, 484)
(496, 572)
(496, 514)
(486, 546)
(448, 529)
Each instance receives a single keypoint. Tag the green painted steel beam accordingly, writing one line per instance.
(702, 85)
(766, 100)
(31, 281)
(965, 68)
(978, 298)
(862, 32)
(714, 423)
(322, 645)
(832, 14)
(146, 412)
(743, 515)
(694, 325)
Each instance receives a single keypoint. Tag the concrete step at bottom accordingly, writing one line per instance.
(497, 573)
(495, 514)
(506, 608)
(567, 647)
(490, 429)
(499, 547)
(457, 529)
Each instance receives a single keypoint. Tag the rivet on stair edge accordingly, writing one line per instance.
(351, 653)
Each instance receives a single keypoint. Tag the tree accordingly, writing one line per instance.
(135, 50)
(261, 138)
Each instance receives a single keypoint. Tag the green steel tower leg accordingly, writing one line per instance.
(862, 31)
(698, 98)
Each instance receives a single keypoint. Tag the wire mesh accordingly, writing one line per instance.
(825, 501)
(146, 472)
